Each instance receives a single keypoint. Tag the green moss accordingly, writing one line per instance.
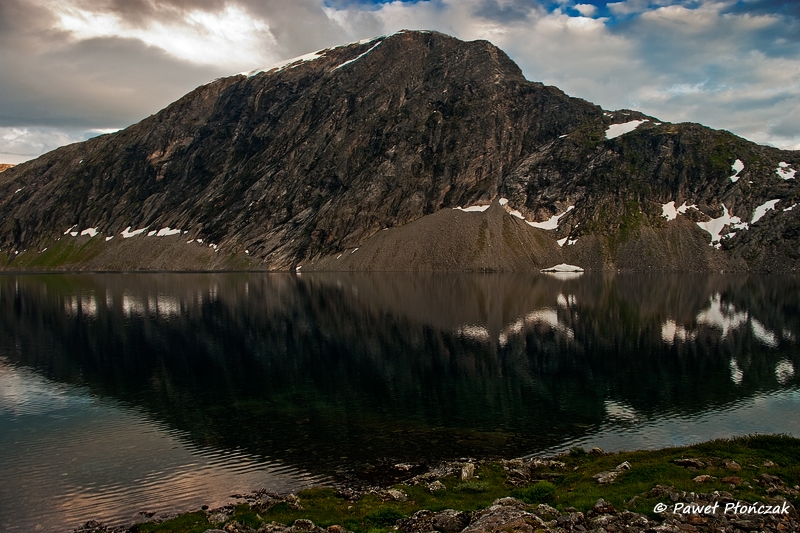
(187, 523)
(571, 486)
(59, 254)
(474, 487)
(383, 517)
(540, 492)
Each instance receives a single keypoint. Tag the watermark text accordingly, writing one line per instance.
(734, 508)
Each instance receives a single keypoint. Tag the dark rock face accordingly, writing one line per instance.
(299, 164)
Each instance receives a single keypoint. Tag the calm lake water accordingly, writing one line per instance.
(123, 394)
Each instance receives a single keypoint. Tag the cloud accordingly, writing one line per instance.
(587, 10)
(23, 143)
(77, 65)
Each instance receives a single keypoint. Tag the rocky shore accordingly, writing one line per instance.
(730, 497)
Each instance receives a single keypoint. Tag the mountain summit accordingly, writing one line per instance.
(364, 146)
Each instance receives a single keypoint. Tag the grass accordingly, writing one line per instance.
(60, 253)
(570, 486)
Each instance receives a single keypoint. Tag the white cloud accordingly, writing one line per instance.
(587, 10)
(20, 144)
(223, 37)
(82, 64)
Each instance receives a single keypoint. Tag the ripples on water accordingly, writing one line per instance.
(130, 393)
(70, 456)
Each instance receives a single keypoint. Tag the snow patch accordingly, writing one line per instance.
(359, 57)
(165, 232)
(473, 208)
(293, 62)
(69, 230)
(109, 238)
(72, 233)
(299, 60)
(737, 167)
(714, 226)
(151, 233)
(762, 210)
(127, 233)
(503, 201)
(563, 267)
(784, 171)
(563, 241)
(790, 207)
(615, 130)
(552, 222)
(669, 211)
(516, 213)
(18, 190)
(91, 232)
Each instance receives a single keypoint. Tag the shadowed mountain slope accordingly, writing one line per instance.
(296, 164)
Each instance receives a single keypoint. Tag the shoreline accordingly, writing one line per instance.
(744, 482)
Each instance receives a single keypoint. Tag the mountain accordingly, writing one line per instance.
(5, 166)
(372, 146)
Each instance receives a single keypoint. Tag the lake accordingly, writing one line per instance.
(124, 395)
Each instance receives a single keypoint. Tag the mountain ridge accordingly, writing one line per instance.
(294, 165)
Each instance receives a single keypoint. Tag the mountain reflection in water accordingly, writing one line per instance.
(327, 372)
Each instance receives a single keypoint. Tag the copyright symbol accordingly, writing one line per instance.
(659, 508)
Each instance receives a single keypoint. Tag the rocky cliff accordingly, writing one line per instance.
(305, 162)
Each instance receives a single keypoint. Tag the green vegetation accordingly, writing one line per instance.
(539, 492)
(570, 485)
(58, 254)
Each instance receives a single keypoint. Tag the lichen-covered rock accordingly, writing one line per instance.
(447, 521)
(504, 518)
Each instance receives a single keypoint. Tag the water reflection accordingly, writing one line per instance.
(331, 371)
(69, 457)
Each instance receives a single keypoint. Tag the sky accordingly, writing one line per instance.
(73, 69)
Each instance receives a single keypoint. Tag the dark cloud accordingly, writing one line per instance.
(141, 13)
(96, 83)
(301, 26)
(729, 67)
(506, 12)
